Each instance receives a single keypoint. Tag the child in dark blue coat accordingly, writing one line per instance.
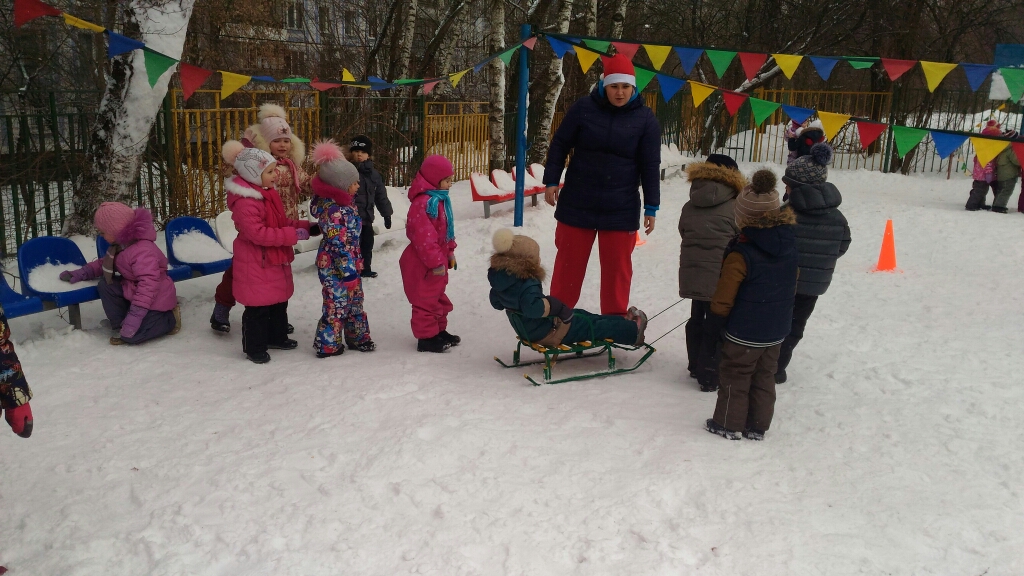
(515, 276)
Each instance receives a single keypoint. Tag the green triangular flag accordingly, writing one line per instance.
(906, 138)
(296, 81)
(506, 56)
(762, 109)
(861, 62)
(720, 60)
(1014, 78)
(402, 81)
(156, 65)
(643, 78)
(599, 45)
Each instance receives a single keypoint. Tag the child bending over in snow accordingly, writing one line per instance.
(753, 309)
(515, 276)
(984, 175)
(14, 391)
(430, 254)
(138, 297)
(263, 253)
(338, 260)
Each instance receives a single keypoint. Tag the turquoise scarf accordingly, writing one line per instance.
(437, 196)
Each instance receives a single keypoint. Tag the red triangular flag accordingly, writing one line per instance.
(529, 44)
(27, 10)
(896, 68)
(321, 86)
(869, 132)
(626, 48)
(1018, 149)
(752, 62)
(191, 78)
(429, 86)
(733, 101)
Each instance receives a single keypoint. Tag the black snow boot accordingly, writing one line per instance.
(436, 344)
(220, 319)
(711, 426)
(259, 358)
(291, 329)
(367, 346)
(338, 352)
(288, 344)
(751, 434)
(452, 338)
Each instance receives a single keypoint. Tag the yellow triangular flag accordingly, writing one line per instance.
(788, 63)
(229, 82)
(79, 23)
(832, 122)
(454, 78)
(347, 76)
(586, 58)
(934, 72)
(657, 54)
(988, 149)
(700, 92)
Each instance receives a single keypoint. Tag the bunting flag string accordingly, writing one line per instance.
(946, 144)
(987, 149)
(869, 132)
(688, 57)
(733, 101)
(699, 92)
(907, 138)
(79, 23)
(156, 65)
(752, 62)
(762, 109)
(977, 74)
(720, 60)
(824, 66)
(796, 113)
(657, 54)
(230, 82)
(1014, 78)
(670, 85)
(832, 123)
(896, 68)
(935, 72)
(643, 78)
(586, 58)
(788, 63)
(191, 77)
(627, 49)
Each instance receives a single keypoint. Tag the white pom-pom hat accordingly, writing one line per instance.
(249, 163)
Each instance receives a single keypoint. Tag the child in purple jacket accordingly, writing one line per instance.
(137, 295)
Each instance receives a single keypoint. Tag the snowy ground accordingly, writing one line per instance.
(895, 448)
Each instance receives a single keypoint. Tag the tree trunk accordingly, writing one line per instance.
(128, 110)
(590, 21)
(545, 90)
(619, 18)
(405, 46)
(446, 52)
(496, 115)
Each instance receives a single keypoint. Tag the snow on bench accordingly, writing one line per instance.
(537, 170)
(494, 192)
(46, 278)
(195, 247)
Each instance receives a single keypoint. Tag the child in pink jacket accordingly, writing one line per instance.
(263, 254)
(430, 254)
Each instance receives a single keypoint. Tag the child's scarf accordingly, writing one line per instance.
(437, 196)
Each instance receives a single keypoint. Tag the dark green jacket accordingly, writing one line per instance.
(525, 296)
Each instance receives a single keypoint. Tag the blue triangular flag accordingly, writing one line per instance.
(559, 47)
(669, 86)
(574, 39)
(796, 113)
(263, 78)
(977, 74)
(946, 144)
(117, 44)
(824, 66)
(688, 57)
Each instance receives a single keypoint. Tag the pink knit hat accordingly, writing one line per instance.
(992, 128)
(113, 217)
(436, 168)
(273, 123)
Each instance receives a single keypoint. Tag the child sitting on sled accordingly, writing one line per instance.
(515, 276)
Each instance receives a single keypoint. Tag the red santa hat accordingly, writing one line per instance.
(618, 68)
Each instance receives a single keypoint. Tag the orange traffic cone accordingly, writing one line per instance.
(639, 240)
(887, 257)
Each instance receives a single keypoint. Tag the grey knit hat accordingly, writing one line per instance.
(335, 170)
(811, 168)
(757, 198)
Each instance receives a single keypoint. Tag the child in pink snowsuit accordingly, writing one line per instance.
(430, 254)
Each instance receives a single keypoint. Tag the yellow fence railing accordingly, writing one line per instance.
(459, 131)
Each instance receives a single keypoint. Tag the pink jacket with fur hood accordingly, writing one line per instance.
(142, 266)
(426, 234)
(263, 249)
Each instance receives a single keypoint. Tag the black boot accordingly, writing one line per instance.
(288, 344)
(711, 426)
(452, 338)
(368, 274)
(338, 352)
(367, 346)
(259, 358)
(220, 319)
(751, 434)
(1000, 209)
(291, 329)
(436, 344)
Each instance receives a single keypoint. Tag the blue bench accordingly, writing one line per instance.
(55, 250)
(182, 225)
(176, 273)
(15, 304)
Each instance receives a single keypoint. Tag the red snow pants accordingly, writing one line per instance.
(425, 291)
(223, 294)
(615, 248)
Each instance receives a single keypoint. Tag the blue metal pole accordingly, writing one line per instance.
(524, 84)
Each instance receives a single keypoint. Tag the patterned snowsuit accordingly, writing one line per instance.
(14, 390)
(338, 263)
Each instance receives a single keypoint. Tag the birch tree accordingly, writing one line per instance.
(128, 109)
(496, 84)
(546, 88)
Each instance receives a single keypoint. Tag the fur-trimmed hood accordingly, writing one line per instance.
(712, 184)
(140, 228)
(522, 268)
(773, 232)
(297, 155)
(238, 189)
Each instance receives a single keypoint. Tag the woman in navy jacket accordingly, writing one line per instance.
(615, 143)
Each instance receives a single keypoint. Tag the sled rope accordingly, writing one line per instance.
(666, 310)
(672, 330)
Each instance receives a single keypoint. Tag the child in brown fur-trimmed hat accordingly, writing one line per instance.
(515, 276)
